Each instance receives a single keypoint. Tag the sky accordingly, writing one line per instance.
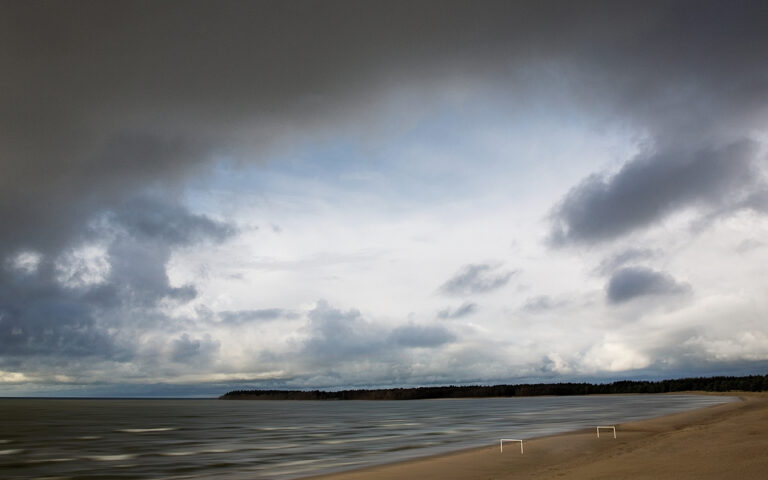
(202, 196)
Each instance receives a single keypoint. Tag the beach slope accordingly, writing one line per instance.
(723, 441)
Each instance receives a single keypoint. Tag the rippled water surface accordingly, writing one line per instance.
(141, 439)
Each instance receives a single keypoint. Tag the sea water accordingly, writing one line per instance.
(180, 439)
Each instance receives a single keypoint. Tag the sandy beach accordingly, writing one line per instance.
(723, 441)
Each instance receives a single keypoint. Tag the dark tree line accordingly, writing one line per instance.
(751, 383)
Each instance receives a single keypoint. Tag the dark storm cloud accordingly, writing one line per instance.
(146, 231)
(476, 278)
(693, 82)
(463, 310)
(632, 282)
(41, 315)
(99, 99)
(51, 326)
(169, 224)
(649, 188)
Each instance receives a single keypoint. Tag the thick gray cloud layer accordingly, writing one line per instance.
(633, 282)
(101, 99)
(41, 315)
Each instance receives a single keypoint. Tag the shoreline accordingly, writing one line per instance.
(719, 441)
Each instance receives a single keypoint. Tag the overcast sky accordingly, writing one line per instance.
(202, 196)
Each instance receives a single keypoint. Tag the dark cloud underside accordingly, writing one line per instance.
(633, 282)
(100, 99)
(41, 315)
(649, 188)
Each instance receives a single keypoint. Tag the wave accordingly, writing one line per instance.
(186, 453)
(49, 460)
(357, 440)
(414, 446)
(112, 458)
(146, 430)
(277, 446)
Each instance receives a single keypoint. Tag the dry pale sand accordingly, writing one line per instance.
(719, 442)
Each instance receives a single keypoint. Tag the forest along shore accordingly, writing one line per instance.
(723, 441)
(749, 383)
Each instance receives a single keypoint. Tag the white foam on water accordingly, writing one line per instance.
(218, 450)
(301, 462)
(111, 458)
(356, 440)
(146, 430)
(88, 437)
(340, 464)
(177, 454)
(295, 467)
(49, 460)
(4, 441)
(277, 447)
(186, 453)
(11, 451)
(299, 469)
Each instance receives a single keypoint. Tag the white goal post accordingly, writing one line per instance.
(612, 427)
(502, 440)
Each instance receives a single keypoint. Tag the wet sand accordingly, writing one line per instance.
(723, 441)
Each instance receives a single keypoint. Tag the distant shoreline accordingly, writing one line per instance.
(750, 383)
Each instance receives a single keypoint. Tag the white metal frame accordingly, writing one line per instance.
(606, 426)
(502, 440)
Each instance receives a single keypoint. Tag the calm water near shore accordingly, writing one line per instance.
(177, 439)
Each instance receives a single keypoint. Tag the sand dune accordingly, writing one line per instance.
(724, 441)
